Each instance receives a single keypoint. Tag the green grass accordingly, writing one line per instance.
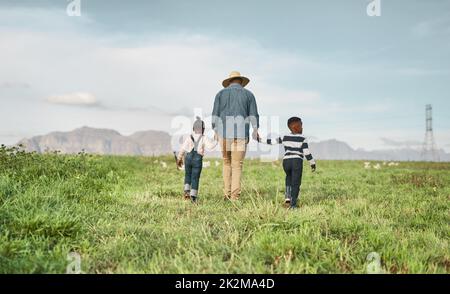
(126, 215)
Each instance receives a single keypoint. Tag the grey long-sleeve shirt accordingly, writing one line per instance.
(234, 111)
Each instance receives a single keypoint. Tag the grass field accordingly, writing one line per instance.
(126, 215)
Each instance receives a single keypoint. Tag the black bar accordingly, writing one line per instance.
(221, 282)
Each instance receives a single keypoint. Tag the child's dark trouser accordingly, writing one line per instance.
(293, 167)
(193, 168)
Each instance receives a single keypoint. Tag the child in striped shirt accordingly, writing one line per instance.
(296, 149)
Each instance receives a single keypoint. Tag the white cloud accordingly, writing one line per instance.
(165, 73)
(431, 27)
(276, 94)
(162, 73)
(168, 73)
(179, 70)
(80, 99)
(14, 85)
(421, 71)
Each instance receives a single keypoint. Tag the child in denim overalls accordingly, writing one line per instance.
(194, 148)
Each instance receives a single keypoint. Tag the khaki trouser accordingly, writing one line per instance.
(233, 153)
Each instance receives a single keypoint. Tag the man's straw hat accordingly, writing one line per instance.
(234, 75)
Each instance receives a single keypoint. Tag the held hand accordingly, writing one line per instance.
(313, 168)
(255, 135)
(179, 162)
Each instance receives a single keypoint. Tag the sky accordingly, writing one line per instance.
(139, 65)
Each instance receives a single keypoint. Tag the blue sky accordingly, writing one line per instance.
(134, 65)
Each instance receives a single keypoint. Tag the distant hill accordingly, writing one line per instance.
(154, 143)
(101, 141)
(338, 150)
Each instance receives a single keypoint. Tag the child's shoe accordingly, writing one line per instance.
(287, 197)
(194, 195)
(287, 202)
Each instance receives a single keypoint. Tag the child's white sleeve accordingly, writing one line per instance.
(307, 153)
(275, 141)
(209, 144)
(184, 148)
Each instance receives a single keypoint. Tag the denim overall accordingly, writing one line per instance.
(193, 168)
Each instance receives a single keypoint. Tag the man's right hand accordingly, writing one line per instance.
(255, 135)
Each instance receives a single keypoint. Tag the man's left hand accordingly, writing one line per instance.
(180, 162)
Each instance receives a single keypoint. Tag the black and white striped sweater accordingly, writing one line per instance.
(295, 146)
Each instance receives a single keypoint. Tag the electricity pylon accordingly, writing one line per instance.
(429, 150)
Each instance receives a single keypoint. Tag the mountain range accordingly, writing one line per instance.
(101, 141)
(154, 143)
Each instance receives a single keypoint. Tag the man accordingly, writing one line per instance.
(234, 111)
